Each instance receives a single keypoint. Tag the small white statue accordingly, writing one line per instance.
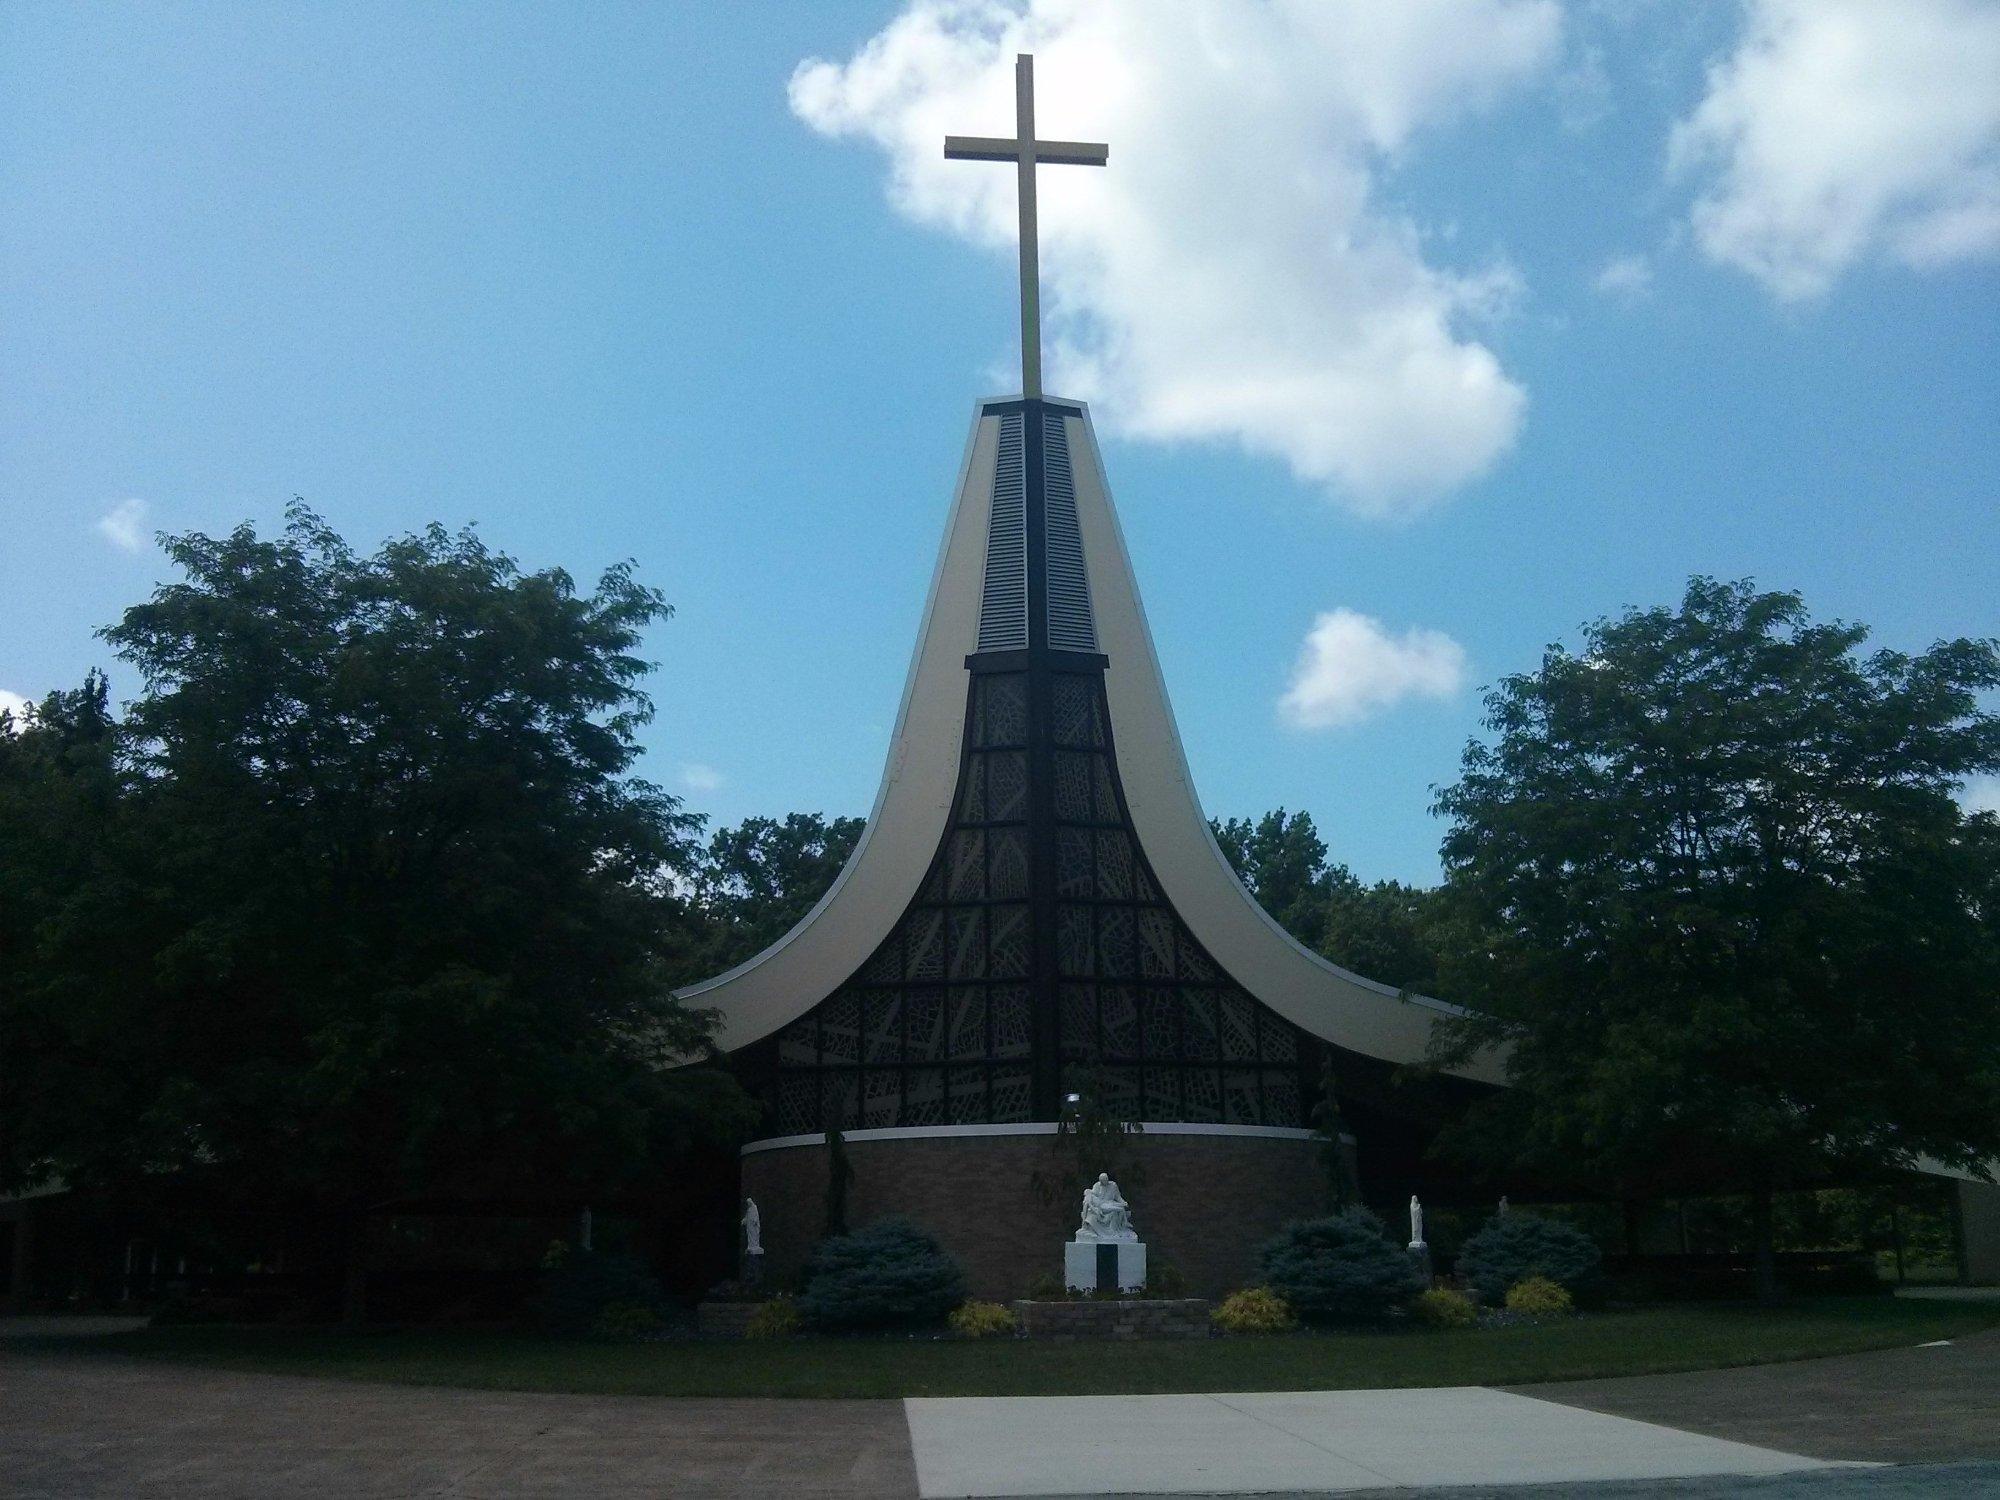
(1416, 1223)
(1503, 1206)
(753, 1228)
(1106, 1214)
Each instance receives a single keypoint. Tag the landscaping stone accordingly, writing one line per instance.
(1115, 1318)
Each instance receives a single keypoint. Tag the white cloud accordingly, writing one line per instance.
(1234, 274)
(1980, 794)
(15, 704)
(1628, 276)
(1350, 668)
(697, 777)
(124, 525)
(1843, 129)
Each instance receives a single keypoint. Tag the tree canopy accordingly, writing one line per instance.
(1714, 891)
(757, 880)
(1382, 931)
(360, 900)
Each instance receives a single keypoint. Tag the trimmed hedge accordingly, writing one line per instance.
(1512, 1247)
(890, 1274)
(1340, 1268)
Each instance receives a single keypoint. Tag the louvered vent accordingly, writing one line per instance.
(1071, 627)
(1003, 605)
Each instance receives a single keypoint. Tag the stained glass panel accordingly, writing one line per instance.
(1119, 1009)
(1013, 1024)
(1006, 787)
(924, 1017)
(1007, 873)
(968, 1022)
(972, 925)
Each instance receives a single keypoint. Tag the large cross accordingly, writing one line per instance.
(1027, 152)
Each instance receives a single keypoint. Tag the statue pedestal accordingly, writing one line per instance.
(1104, 1265)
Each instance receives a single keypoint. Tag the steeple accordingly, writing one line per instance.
(1037, 906)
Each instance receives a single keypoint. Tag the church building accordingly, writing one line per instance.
(1037, 907)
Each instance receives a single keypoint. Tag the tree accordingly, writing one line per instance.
(361, 903)
(759, 879)
(1719, 901)
(1382, 931)
(1281, 860)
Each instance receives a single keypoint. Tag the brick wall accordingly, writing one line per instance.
(1202, 1203)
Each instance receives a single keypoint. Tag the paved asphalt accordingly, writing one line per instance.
(78, 1425)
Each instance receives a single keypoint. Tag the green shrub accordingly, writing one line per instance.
(1341, 1267)
(1445, 1308)
(1166, 1280)
(1048, 1288)
(981, 1320)
(584, 1283)
(627, 1320)
(1255, 1309)
(1539, 1297)
(776, 1319)
(887, 1275)
(735, 1291)
(1514, 1246)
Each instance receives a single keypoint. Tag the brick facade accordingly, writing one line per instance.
(1202, 1203)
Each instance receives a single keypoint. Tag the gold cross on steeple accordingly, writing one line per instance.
(1027, 153)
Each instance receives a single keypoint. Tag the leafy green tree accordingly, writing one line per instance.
(758, 880)
(1384, 931)
(1717, 898)
(1281, 860)
(361, 903)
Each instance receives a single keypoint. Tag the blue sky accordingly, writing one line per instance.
(1617, 295)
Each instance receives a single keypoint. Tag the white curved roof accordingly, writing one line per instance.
(911, 808)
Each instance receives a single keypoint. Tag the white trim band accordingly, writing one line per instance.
(1029, 1127)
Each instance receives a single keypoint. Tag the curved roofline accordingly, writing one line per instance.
(913, 802)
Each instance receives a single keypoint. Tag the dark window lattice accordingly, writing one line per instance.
(938, 1025)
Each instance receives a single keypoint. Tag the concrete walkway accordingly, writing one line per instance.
(1316, 1442)
(78, 1425)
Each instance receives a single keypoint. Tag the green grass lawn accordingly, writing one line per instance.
(1683, 1337)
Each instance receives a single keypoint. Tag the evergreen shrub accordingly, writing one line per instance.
(584, 1284)
(1255, 1309)
(889, 1274)
(1342, 1267)
(1512, 1247)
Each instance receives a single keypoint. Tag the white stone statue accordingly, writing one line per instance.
(1416, 1223)
(1503, 1206)
(1106, 1214)
(753, 1228)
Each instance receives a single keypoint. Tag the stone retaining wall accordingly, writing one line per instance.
(1115, 1318)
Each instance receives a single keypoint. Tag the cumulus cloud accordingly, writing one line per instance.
(15, 704)
(1844, 129)
(124, 525)
(1235, 274)
(1628, 276)
(1350, 667)
(697, 777)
